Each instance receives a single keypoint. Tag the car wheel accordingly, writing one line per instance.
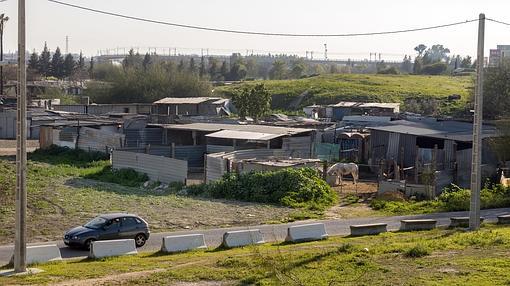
(88, 243)
(140, 240)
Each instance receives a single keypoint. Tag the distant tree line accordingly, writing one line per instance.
(436, 60)
(56, 65)
(144, 79)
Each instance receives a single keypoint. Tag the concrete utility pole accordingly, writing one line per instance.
(476, 169)
(20, 243)
(3, 19)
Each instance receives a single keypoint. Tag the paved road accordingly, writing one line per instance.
(275, 232)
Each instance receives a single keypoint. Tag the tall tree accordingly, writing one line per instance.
(278, 70)
(192, 66)
(91, 68)
(224, 70)
(57, 64)
(496, 88)
(132, 60)
(202, 70)
(147, 61)
(44, 61)
(33, 62)
(213, 68)
(80, 65)
(68, 67)
(466, 62)
(254, 102)
(420, 49)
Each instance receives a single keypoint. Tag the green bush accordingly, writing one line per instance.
(296, 188)
(417, 251)
(458, 199)
(124, 177)
(64, 155)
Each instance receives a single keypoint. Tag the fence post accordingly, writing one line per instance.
(173, 150)
(417, 165)
(325, 170)
(434, 168)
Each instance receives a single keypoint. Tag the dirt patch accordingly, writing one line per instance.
(354, 200)
(110, 280)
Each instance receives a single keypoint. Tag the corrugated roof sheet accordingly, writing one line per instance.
(186, 100)
(212, 127)
(243, 135)
(453, 130)
(366, 104)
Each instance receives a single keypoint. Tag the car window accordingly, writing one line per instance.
(113, 223)
(96, 223)
(129, 221)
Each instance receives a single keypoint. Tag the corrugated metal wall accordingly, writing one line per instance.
(158, 168)
(215, 167)
(142, 137)
(194, 155)
(218, 149)
(449, 154)
(71, 108)
(393, 146)
(378, 145)
(8, 125)
(408, 142)
(91, 139)
(300, 147)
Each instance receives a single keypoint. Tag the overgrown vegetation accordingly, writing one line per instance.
(328, 89)
(124, 177)
(437, 257)
(453, 198)
(296, 188)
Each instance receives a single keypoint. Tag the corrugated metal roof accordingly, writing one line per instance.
(453, 130)
(366, 104)
(185, 100)
(243, 135)
(213, 127)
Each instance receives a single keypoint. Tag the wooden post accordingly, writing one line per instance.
(402, 172)
(173, 150)
(325, 170)
(434, 167)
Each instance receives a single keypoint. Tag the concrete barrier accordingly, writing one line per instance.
(179, 243)
(242, 238)
(108, 248)
(461, 221)
(504, 219)
(417, 224)
(368, 229)
(42, 254)
(306, 232)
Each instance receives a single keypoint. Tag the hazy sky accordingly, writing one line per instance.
(92, 32)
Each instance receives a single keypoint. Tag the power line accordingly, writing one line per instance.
(499, 22)
(258, 33)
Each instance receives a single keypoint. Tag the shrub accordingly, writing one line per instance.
(124, 177)
(458, 199)
(417, 251)
(64, 155)
(435, 68)
(296, 188)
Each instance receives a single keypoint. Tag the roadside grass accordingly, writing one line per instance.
(437, 257)
(328, 89)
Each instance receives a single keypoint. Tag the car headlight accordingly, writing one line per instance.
(75, 237)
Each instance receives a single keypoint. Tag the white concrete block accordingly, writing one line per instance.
(178, 243)
(242, 238)
(42, 254)
(368, 229)
(306, 232)
(108, 248)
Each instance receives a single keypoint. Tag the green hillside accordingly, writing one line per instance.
(327, 89)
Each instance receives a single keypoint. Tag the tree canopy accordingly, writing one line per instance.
(254, 102)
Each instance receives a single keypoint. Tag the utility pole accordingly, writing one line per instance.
(3, 19)
(20, 243)
(326, 52)
(476, 169)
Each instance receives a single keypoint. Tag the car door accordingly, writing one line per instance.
(111, 230)
(129, 227)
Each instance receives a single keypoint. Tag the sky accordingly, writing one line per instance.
(89, 32)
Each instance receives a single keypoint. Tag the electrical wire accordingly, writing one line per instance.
(258, 33)
(499, 22)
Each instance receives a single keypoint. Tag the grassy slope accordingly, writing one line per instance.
(438, 257)
(59, 196)
(328, 89)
